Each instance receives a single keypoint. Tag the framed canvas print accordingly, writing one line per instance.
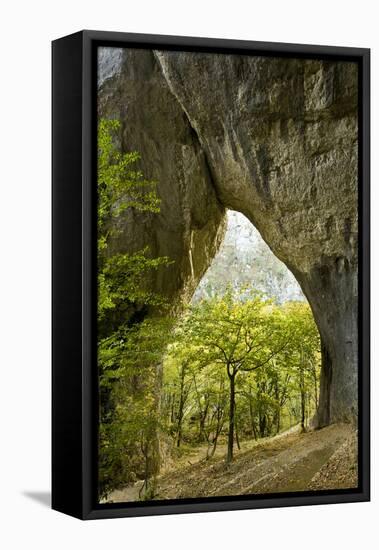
(210, 275)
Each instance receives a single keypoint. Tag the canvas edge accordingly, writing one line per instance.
(85, 506)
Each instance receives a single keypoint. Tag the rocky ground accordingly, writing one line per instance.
(293, 461)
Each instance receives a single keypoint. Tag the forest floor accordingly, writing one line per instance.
(291, 461)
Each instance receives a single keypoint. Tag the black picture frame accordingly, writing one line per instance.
(74, 386)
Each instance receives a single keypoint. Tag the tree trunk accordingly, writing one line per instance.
(181, 407)
(153, 450)
(302, 420)
(220, 415)
(232, 403)
(237, 432)
(302, 393)
(203, 418)
(179, 435)
(315, 386)
(252, 421)
(278, 420)
(262, 424)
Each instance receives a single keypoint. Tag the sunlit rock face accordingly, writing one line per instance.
(275, 139)
(109, 63)
(191, 224)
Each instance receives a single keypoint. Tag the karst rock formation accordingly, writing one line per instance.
(273, 138)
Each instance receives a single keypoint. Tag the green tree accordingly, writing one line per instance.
(240, 336)
(303, 357)
(122, 292)
(121, 275)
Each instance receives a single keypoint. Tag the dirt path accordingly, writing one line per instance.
(289, 462)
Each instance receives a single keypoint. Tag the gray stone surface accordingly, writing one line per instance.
(109, 63)
(191, 223)
(275, 139)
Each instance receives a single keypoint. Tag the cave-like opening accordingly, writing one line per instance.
(285, 393)
(245, 259)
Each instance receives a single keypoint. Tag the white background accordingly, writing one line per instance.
(26, 31)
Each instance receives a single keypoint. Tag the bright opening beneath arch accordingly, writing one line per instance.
(245, 259)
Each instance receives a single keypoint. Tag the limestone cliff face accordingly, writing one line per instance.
(191, 222)
(275, 139)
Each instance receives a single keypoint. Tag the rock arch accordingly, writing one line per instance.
(275, 139)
